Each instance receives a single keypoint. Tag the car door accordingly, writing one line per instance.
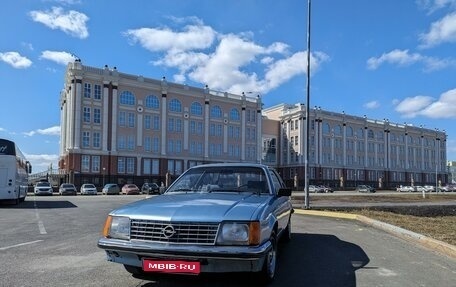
(282, 204)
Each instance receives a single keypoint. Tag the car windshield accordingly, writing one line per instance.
(89, 186)
(67, 185)
(221, 179)
(43, 184)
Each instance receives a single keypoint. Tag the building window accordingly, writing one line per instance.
(130, 165)
(131, 120)
(151, 166)
(155, 144)
(216, 112)
(127, 98)
(97, 116)
(152, 102)
(85, 139)
(85, 163)
(147, 144)
(96, 140)
(87, 90)
(131, 143)
(97, 92)
(147, 122)
(122, 119)
(86, 114)
(95, 163)
(121, 142)
(175, 167)
(175, 106)
(326, 129)
(156, 123)
(234, 115)
(196, 109)
(121, 165)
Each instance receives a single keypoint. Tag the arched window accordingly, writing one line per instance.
(175, 106)
(196, 109)
(326, 129)
(127, 98)
(216, 112)
(337, 130)
(349, 132)
(152, 102)
(393, 137)
(235, 115)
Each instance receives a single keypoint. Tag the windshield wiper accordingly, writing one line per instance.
(182, 190)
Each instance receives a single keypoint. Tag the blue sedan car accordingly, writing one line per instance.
(213, 218)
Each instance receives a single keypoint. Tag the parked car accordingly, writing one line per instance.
(110, 188)
(406, 188)
(316, 189)
(88, 188)
(419, 188)
(67, 189)
(130, 189)
(150, 188)
(365, 188)
(213, 218)
(43, 188)
(327, 189)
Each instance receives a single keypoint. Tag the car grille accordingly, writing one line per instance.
(174, 232)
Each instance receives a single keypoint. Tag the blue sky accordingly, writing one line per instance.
(381, 58)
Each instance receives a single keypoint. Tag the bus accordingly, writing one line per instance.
(14, 171)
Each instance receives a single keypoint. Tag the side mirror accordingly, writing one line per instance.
(284, 192)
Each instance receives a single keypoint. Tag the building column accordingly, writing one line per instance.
(243, 128)
(115, 108)
(77, 113)
(105, 129)
(206, 128)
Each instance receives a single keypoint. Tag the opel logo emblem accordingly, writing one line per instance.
(168, 231)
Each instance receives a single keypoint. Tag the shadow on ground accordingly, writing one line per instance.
(308, 260)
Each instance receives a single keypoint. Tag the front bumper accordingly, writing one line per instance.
(211, 258)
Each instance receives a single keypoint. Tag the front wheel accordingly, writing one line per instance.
(266, 275)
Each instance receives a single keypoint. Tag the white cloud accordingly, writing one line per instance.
(223, 61)
(193, 37)
(52, 131)
(442, 31)
(444, 107)
(403, 58)
(15, 60)
(399, 57)
(71, 22)
(62, 58)
(372, 105)
(434, 5)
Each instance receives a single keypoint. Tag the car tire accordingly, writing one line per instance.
(267, 274)
(134, 269)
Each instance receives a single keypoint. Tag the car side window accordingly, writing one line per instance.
(275, 180)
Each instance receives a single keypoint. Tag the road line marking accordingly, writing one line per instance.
(19, 245)
(40, 222)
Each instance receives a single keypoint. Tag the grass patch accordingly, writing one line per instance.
(442, 228)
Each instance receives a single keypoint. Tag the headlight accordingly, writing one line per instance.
(234, 233)
(117, 227)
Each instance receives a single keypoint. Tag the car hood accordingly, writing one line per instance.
(207, 207)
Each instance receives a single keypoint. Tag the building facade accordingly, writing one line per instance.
(121, 128)
(346, 150)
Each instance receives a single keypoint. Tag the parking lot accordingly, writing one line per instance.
(52, 241)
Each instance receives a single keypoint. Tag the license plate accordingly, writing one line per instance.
(171, 266)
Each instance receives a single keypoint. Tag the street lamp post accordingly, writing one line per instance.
(104, 169)
(306, 164)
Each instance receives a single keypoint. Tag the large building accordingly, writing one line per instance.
(346, 150)
(120, 128)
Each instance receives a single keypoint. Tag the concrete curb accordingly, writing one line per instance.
(430, 243)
